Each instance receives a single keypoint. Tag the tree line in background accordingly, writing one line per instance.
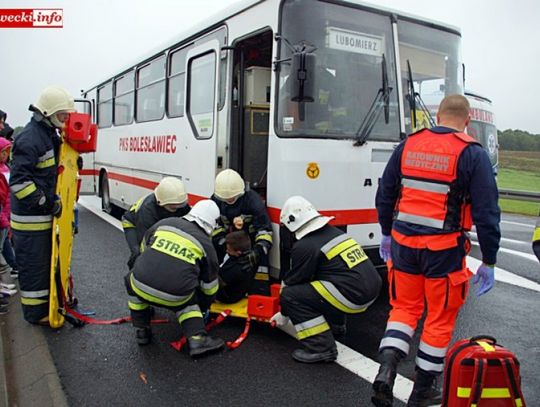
(518, 140)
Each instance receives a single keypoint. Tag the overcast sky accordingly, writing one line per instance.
(500, 47)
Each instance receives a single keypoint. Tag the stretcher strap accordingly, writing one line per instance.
(179, 344)
(238, 341)
(77, 319)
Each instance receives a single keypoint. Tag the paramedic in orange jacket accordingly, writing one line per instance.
(436, 183)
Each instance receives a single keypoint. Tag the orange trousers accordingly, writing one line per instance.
(444, 297)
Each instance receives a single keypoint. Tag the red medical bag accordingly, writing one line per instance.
(481, 373)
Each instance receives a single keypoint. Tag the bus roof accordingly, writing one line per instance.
(216, 19)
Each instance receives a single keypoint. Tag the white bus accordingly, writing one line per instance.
(482, 126)
(301, 97)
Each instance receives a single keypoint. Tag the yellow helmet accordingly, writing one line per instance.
(54, 99)
(229, 184)
(170, 191)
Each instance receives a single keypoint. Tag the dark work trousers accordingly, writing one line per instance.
(311, 315)
(33, 255)
(141, 312)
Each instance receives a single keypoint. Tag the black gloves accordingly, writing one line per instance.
(56, 209)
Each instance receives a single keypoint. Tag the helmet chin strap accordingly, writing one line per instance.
(55, 122)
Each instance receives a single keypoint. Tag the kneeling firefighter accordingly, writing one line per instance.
(177, 270)
(168, 200)
(330, 276)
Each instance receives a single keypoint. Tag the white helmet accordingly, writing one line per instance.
(229, 184)
(204, 213)
(170, 191)
(54, 99)
(300, 216)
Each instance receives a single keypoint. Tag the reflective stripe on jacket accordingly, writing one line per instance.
(429, 194)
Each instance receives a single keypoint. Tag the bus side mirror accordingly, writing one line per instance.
(302, 76)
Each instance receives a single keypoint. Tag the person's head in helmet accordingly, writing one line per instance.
(55, 104)
(229, 186)
(171, 194)
(204, 213)
(300, 217)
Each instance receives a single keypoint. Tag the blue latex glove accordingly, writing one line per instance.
(384, 249)
(486, 276)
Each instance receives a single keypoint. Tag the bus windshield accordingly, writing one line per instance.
(351, 47)
(434, 57)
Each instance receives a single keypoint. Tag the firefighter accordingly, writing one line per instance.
(435, 185)
(169, 199)
(536, 238)
(177, 270)
(243, 209)
(330, 276)
(33, 200)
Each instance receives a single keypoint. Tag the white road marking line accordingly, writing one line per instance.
(519, 224)
(93, 204)
(515, 253)
(505, 276)
(504, 239)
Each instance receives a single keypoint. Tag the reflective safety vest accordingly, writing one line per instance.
(429, 194)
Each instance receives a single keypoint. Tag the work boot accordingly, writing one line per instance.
(384, 381)
(144, 336)
(306, 356)
(425, 391)
(201, 344)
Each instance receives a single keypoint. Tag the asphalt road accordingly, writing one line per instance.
(103, 366)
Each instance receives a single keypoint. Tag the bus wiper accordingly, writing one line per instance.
(380, 103)
(415, 100)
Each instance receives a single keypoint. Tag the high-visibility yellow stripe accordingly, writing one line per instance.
(176, 246)
(188, 315)
(137, 306)
(486, 346)
(487, 393)
(264, 236)
(519, 403)
(136, 205)
(321, 289)
(262, 276)
(536, 235)
(33, 301)
(27, 190)
(158, 300)
(126, 224)
(337, 249)
(46, 164)
(218, 231)
(316, 330)
(210, 290)
(32, 227)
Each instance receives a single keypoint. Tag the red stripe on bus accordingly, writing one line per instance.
(342, 217)
(88, 172)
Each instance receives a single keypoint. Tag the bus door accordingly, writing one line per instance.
(201, 110)
(250, 113)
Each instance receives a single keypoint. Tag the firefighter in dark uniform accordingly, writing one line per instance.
(435, 185)
(330, 276)
(244, 210)
(169, 199)
(33, 200)
(177, 270)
